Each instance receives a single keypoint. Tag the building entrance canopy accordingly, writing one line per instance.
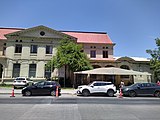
(112, 71)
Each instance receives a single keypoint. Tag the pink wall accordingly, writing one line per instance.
(99, 50)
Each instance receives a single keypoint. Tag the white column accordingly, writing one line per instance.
(40, 69)
(9, 69)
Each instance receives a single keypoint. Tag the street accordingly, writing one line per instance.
(72, 107)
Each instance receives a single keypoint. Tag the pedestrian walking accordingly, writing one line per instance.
(121, 86)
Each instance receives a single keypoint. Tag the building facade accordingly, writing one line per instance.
(25, 52)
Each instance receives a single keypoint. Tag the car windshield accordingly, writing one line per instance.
(90, 83)
(39, 83)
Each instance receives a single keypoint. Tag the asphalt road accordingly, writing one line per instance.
(71, 107)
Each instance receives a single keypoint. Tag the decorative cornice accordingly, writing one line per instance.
(17, 34)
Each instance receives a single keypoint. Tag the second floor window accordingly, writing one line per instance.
(105, 54)
(48, 49)
(18, 48)
(33, 49)
(93, 54)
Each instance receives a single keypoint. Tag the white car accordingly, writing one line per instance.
(97, 87)
(21, 82)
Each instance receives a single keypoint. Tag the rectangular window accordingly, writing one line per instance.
(48, 49)
(33, 49)
(32, 70)
(105, 54)
(16, 70)
(47, 73)
(93, 54)
(18, 48)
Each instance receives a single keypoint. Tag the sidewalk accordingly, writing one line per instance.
(4, 90)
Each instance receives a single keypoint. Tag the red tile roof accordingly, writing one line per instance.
(90, 37)
(4, 31)
(83, 37)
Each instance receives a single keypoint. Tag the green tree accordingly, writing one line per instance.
(155, 60)
(70, 54)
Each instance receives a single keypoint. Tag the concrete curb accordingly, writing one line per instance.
(21, 94)
(8, 91)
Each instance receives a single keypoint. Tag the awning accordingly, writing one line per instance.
(112, 71)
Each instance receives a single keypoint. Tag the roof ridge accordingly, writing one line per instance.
(57, 30)
(12, 28)
(83, 32)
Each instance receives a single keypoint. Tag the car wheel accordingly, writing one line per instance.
(110, 93)
(132, 93)
(53, 93)
(85, 93)
(27, 93)
(157, 94)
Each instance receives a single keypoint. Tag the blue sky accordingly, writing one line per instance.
(132, 24)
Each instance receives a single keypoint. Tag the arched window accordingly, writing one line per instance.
(96, 66)
(109, 66)
(125, 67)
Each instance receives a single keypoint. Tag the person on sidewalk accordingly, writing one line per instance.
(122, 84)
(158, 83)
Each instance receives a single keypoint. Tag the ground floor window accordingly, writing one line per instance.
(16, 70)
(32, 70)
(47, 73)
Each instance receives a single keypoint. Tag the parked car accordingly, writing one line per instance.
(141, 89)
(42, 88)
(97, 87)
(21, 82)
